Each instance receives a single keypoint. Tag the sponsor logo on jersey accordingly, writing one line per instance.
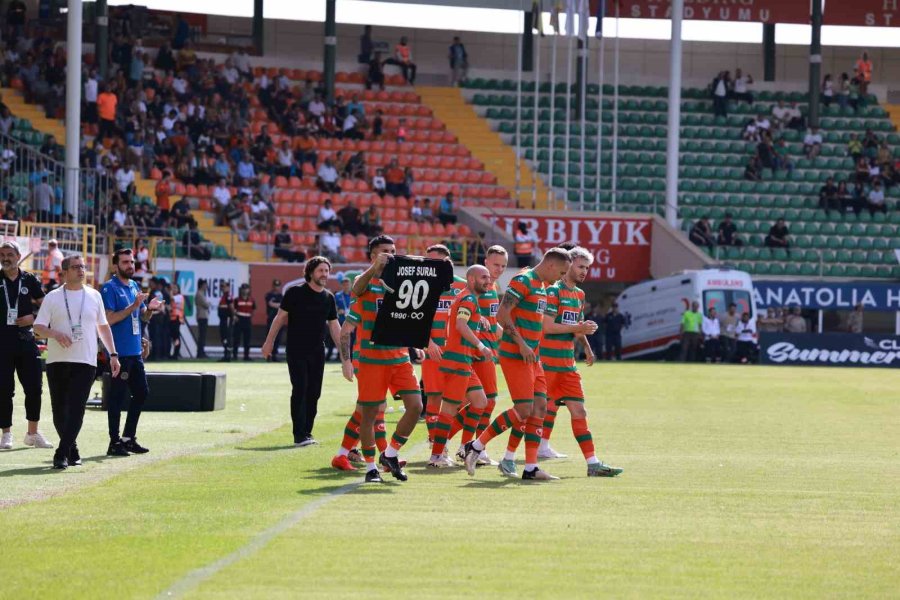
(541, 307)
(444, 306)
(569, 317)
(378, 304)
(495, 308)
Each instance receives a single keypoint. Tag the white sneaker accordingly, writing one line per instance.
(461, 453)
(485, 461)
(6, 442)
(549, 452)
(37, 440)
(441, 463)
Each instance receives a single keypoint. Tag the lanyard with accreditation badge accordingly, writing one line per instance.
(12, 307)
(77, 330)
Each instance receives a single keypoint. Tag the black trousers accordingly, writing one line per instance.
(242, 330)
(132, 379)
(712, 348)
(202, 325)
(306, 386)
(175, 336)
(70, 385)
(614, 346)
(20, 357)
(225, 330)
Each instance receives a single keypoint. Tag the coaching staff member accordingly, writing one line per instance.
(125, 309)
(310, 312)
(71, 317)
(21, 293)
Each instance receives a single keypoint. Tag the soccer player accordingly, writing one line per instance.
(563, 323)
(495, 260)
(521, 316)
(459, 381)
(380, 367)
(431, 375)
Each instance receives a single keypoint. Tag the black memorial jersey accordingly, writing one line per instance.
(413, 287)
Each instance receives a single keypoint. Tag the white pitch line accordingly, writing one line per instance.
(198, 576)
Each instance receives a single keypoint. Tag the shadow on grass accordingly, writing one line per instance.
(28, 471)
(492, 483)
(267, 448)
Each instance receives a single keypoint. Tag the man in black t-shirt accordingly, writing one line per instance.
(310, 312)
(273, 303)
(727, 233)
(20, 295)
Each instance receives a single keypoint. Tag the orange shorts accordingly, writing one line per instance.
(525, 381)
(457, 386)
(486, 371)
(564, 386)
(432, 376)
(374, 381)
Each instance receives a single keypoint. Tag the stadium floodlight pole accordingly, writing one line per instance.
(568, 119)
(101, 19)
(582, 94)
(615, 144)
(534, 126)
(73, 106)
(600, 113)
(550, 195)
(815, 62)
(330, 54)
(518, 117)
(674, 138)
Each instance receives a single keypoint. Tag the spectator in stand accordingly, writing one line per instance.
(327, 217)
(286, 164)
(794, 321)
(855, 319)
(812, 143)
(459, 62)
(780, 115)
(305, 150)
(107, 101)
(222, 195)
(883, 156)
(719, 90)
(741, 87)
(194, 245)
(701, 233)
(843, 91)
(846, 199)
(874, 171)
(327, 180)
(375, 75)
(237, 216)
(409, 181)
(366, 46)
(864, 69)
(350, 219)
(163, 191)
(351, 129)
(745, 332)
(447, 212)
(379, 185)
(875, 199)
(795, 118)
(854, 91)
(415, 212)
(827, 90)
(854, 147)
(779, 236)
(378, 125)
(42, 197)
(181, 212)
(284, 246)
(261, 214)
(124, 176)
(751, 131)
(330, 244)
(782, 158)
(246, 171)
(828, 197)
(395, 178)
(766, 152)
(427, 211)
(371, 221)
(711, 334)
(91, 89)
(728, 233)
(403, 59)
(862, 170)
(613, 323)
(16, 16)
(356, 166)
(358, 107)
(317, 107)
(691, 323)
(753, 170)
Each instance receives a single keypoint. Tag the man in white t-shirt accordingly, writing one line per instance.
(70, 318)
(742, 85)
(745, 332)
(780, 115)
(812, 143)
(222, 195)
(711, 332)
(330, 243)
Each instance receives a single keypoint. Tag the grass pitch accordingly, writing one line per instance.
(739, 482)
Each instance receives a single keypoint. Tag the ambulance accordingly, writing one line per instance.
(653, 309)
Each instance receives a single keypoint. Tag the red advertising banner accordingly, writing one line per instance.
(750, 11)
(621, 245)
(869, 13)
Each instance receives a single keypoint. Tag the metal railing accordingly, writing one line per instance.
(23, 171)
(71, 238)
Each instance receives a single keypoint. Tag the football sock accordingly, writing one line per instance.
(351, 433)
(369, 454)
(485, 420)
(515, 438)
(441, 431)
(583, 437)
(549, 419)
(470, 423)
(397, 442)
(457, 423)
(532, 439)
(505, 420)
(380, 433)
(432, 408)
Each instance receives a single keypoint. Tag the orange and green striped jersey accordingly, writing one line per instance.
(489, 305)
(566, 306)
(362, 313)
(458, 352)
(527, 315)
(439, 325)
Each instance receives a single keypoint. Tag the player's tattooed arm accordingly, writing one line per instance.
(344, 346)
(505, 320)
